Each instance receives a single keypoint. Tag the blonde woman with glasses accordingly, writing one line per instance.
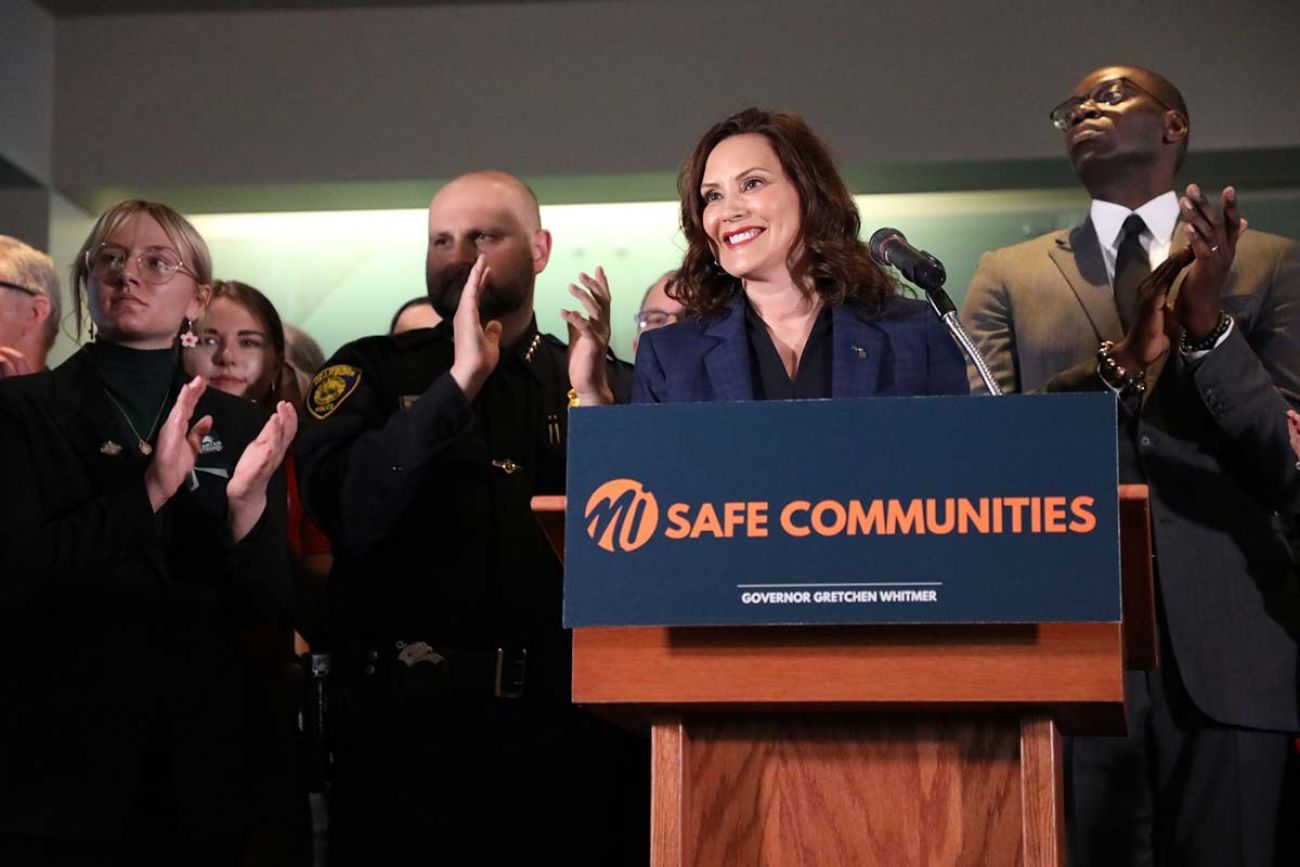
(142, 525)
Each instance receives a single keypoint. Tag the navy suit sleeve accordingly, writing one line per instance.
(648, 375)
(947, 368)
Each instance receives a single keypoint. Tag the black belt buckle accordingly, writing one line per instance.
(511, 667)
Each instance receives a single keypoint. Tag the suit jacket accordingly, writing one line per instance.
(905, 350)
(1209, 437)
(121, 674)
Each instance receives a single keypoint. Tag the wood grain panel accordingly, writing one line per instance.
(666, 794)
(549, 511)
(1141, 641)
(852, 790)
(1048, 663)
(1042, 792)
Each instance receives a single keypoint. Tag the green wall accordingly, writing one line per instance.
(341, 274)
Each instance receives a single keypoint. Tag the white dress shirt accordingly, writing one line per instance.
(1161, 217)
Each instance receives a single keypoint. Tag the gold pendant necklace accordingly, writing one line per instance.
(141, 442)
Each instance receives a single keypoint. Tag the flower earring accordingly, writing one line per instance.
(188, 338)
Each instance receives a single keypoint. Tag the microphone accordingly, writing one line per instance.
(890, 247)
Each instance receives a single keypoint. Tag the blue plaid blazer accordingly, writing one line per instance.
(905, 350)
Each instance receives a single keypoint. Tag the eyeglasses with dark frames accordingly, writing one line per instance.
(1112, 92)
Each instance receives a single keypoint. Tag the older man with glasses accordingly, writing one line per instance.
(657, 309)
(30, 307)
(1195, 327)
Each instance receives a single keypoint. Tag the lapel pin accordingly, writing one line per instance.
(111, 449)
(859, 351)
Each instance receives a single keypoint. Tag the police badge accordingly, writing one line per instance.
(330, 387)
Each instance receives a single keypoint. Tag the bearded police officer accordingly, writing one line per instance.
(455, 735)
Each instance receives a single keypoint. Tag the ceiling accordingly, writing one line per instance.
(127, 7)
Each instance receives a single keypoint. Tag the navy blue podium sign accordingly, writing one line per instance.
(888, 510)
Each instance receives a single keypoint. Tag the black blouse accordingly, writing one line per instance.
(771, 382)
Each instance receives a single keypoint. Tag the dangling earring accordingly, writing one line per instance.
(188, 338)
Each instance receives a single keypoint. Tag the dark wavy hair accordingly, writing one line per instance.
(827, 252)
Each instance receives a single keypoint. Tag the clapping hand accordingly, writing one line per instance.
(1212, 235)
(589, 340)
(178, 445)
(1212, 244)
(246, 491)
(477, 346)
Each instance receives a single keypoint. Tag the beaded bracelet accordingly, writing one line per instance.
(1206, 343)
(1115, 375)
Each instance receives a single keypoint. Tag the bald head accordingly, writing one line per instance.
(497, 189)
(494, 215)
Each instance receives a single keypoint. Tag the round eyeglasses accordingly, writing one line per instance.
(1113, 91)
(156, 265)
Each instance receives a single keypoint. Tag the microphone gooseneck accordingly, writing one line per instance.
(889, 247)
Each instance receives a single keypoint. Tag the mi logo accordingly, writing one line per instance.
(621, 515)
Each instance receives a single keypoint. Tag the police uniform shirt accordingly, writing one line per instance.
(427, 496)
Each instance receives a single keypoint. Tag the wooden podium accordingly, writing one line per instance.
(864, 745)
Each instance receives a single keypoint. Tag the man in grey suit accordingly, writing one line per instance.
(1205, 361)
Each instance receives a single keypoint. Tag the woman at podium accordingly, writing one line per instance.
(781, 298)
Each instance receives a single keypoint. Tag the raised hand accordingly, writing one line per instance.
(589, 340)
(178, 445)
(246, 490)
(1152, 330)
(13, 362)
(1212, 234)
(477, 346)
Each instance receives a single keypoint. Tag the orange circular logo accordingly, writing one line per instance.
(621, 514)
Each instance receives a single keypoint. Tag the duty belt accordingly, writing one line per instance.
(420, 670)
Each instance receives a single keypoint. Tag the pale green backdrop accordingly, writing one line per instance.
(341, 274)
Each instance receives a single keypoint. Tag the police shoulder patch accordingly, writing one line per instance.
(330, 387)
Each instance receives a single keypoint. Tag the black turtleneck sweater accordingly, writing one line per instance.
(139, 381)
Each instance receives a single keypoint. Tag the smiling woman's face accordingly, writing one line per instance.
(234, 353)
(751, 208)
